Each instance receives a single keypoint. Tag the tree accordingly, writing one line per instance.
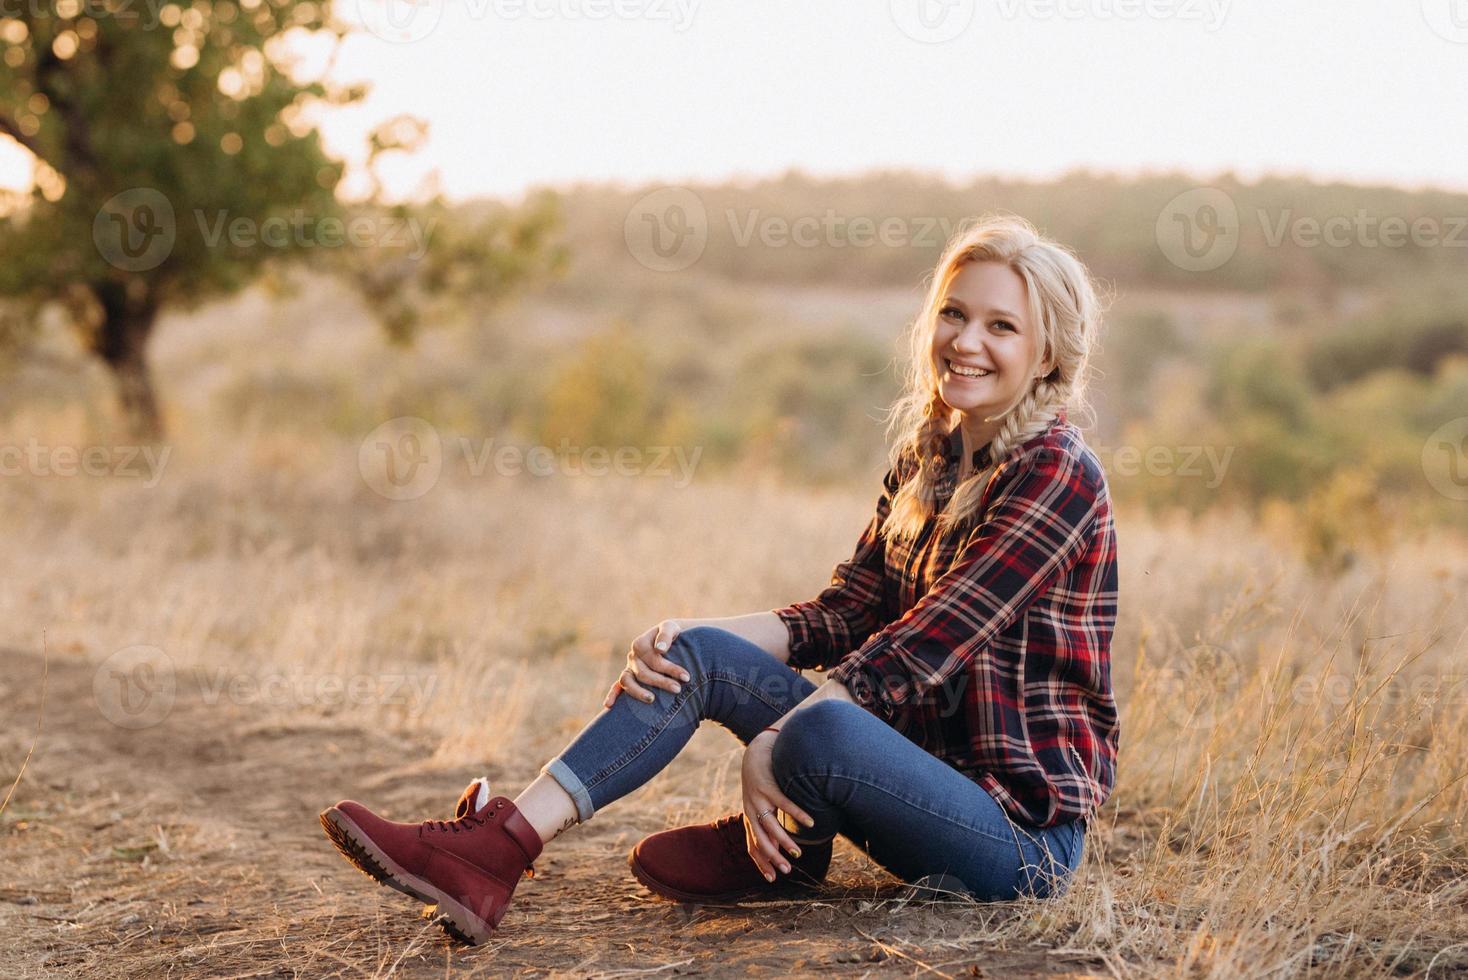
(174, 160)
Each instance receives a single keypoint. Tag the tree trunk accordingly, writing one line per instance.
(121, 341)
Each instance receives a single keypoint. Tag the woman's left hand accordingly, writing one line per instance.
(762, 797)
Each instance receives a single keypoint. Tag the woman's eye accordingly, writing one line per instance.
(1004, 325)
(951, 312)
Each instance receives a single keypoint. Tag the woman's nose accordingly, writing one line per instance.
(968, 341)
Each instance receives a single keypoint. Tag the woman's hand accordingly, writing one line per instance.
(763, 832)
(646, 665)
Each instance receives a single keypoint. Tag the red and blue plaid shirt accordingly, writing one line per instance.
(989, 645)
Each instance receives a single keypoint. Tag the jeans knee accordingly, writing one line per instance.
(695, 647)
(818, 732)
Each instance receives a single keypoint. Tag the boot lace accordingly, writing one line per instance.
(455, 826)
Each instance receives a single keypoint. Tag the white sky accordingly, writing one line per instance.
(1361, 90)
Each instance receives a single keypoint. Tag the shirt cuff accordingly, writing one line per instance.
(802, 639)
(875, 678)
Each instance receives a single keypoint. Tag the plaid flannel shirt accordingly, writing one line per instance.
(989, 645)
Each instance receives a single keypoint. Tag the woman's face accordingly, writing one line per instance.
(984, 330)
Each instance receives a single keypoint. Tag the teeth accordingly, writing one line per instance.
(968, 372)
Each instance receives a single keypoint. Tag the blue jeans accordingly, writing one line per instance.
(853, 773)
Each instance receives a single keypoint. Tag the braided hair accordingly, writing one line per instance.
(1064, 304)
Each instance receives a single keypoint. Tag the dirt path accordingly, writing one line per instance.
(192, 848)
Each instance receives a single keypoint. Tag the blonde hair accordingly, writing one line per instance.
(1063, 302)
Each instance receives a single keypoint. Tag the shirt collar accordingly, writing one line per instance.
(955, 448)
(981, 455)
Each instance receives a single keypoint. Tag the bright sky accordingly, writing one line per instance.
(521, 93)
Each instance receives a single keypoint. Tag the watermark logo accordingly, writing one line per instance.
(134, 688)
(135, 230)
(932, 21)
(1448, 19)
(667, 229)
(400, 21)
(1198, 231)
(1197, 686)
(1445, 459)
(402, 458)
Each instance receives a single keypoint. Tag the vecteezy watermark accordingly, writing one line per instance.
(1195, 687)
(304, 231)
(668, 230)
(144, 463)
(1208, 463)
(406, 21)
(134, 687)
(137, 14)
(1448, 19)
(137, 229)
(1199, 230)
(138, 686)
(403, 458)
(1341, 690)
(1210, 13)
(833, 230)
(282, 689)
(1445, 459)
(932, 21)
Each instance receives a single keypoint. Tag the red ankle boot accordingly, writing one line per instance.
(710, 863)
(468, 867)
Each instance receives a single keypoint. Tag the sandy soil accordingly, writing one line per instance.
(192, 848)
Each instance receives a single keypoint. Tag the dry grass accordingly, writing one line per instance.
(1264, 824)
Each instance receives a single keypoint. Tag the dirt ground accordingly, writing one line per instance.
(192, 848)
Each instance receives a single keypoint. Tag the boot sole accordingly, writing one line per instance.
(782, 887)
(358, 848)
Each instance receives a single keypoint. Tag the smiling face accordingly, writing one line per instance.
(986, 348)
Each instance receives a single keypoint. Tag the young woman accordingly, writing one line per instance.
(966, 729)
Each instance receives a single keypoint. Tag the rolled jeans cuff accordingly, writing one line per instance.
(571, 783)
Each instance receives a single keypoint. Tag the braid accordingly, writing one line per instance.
(1030, 416)
(917, 492)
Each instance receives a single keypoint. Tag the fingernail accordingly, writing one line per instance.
(662, 646)
(685, 678)
(676, 688)
(785, 868)
(796, 852)
(770, 877)
(810, 823)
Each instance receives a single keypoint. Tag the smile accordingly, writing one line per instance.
(964, 371)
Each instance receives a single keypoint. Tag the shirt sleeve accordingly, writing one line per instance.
(1037, 526)
(849, 610)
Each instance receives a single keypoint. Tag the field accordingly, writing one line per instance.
(1291, 790)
